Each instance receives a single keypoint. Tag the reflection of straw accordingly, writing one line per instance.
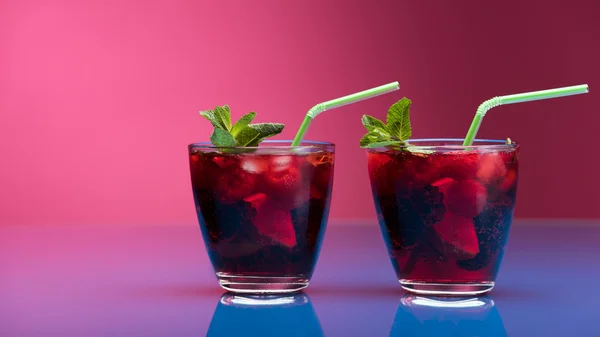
(518, 98)
(338, 102)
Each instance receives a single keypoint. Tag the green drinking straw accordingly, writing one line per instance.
(518, 98)
(338, 102)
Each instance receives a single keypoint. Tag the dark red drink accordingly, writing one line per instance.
(262, 212)
(445, 212)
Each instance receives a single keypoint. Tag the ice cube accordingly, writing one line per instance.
(459, 165)
(226, 161)
(457, 237)
(202, 170)
(279, 163)
(491, 167)
(376, 161)
(254, 165)
(283, 181)
(384, 173)
(318, 159)
(421, 169)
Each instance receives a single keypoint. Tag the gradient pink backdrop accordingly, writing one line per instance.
(99, 98)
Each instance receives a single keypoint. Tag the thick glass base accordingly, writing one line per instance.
(261, 284)
(447, 289)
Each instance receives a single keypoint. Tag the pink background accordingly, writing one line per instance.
(100, 98)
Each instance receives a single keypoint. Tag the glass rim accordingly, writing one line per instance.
(478, 144)
(286, 144)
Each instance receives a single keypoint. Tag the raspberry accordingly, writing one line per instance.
(274, 222)
(235, 184)
(466, 198)
(457, 237)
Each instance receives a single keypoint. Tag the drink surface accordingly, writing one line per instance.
(262, 214)
(445, 216)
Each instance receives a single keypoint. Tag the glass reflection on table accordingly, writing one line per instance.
(447, 316)
(249, 315)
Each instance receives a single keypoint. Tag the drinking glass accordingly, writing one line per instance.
(445, 211)
(263, 211)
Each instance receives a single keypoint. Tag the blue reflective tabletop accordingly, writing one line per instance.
(157, 281)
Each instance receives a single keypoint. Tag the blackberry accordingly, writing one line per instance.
(401, 220)
(428, 202)
(407, 216)
(492, 225)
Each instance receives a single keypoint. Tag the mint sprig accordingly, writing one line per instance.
(394, 133)
(242, 132)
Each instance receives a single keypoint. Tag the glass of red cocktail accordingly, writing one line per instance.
(263, 211)
(445, 211)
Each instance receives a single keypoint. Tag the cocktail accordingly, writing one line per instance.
(445, 211)
(263, 211)
(445, 206)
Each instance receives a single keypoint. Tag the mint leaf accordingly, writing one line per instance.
(367, 139)
(372, 123)
(381, 134)
(394, 133)
(212, 118)
(242, 123)
(373, 137)
(223, 115)
(242, 133)
(221, 137)
(267, 129)
(398, 119)
(246, 136)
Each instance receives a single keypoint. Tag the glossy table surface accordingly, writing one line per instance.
(157, 281)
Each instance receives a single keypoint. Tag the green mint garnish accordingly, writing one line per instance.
(242, 133)
(394, 133)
